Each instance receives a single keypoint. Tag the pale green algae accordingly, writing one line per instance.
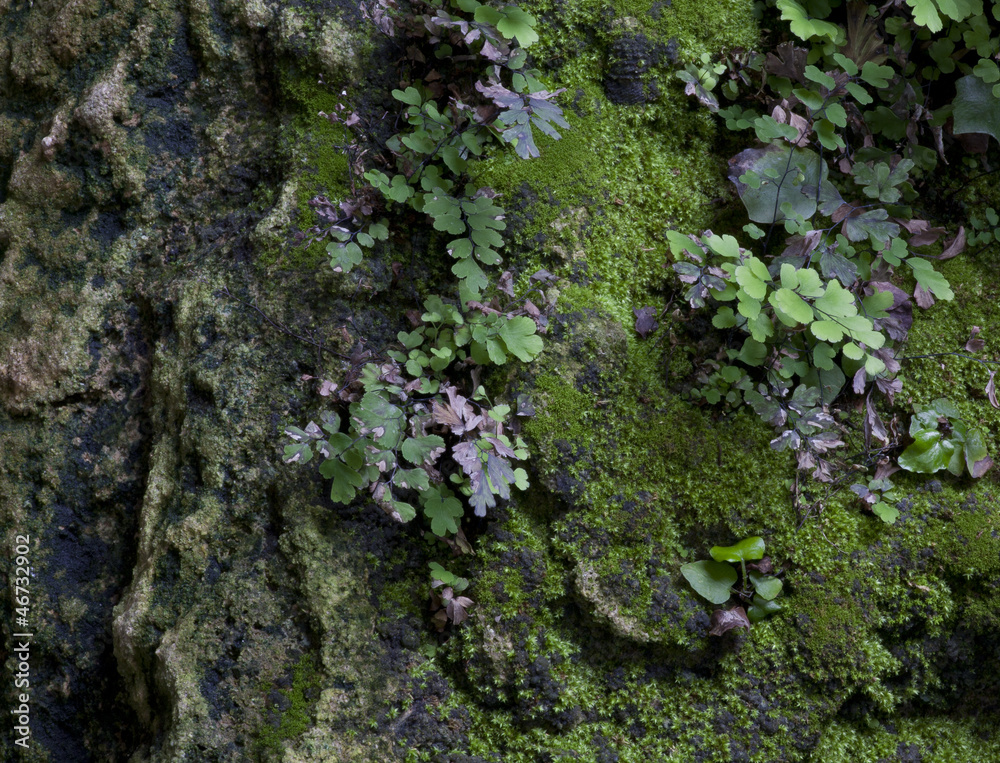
(141, 407)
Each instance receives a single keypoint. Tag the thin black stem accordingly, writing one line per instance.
(956, 354)
(281, 327)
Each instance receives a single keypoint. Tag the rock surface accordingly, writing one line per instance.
(194, 598)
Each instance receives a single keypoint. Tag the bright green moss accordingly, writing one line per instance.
(618, 186)
(300, 697)
(316, 163)
(641, 480)
(602, 197)
(936, 741)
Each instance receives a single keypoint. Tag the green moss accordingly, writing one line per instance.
(318, 167)
(935, 740)
(300, 697)
(621, 175)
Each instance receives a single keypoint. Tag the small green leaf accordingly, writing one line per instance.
(711, 580)
(519, 336)
(886, 512)
(836, 114)
(819, 77)
(823, 355)
(836, 302)
(346, 481)
(804, 26)
(846, 64)
(746, 550)
(753, 352)
(852, 351)
(411, 339)
(411, 96)
(977, 460)
(761, 608)
(876, 75)
(511, 22)
(791, 174)
(930, 279)
(859, 93)
(724, 319)
(440, 573)
(928, 453)
(417, 450)
(405, 511)
(766, 586)
(987, 70)
(790, 308)
(444, 510)
(380, 419)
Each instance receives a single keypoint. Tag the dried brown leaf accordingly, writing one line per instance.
(922, 234)
(980, 468)
(802, 246)
(922, 297)
(823, 471)
(955, 246)
(886, 468)
(506, 283)
(844, 211)
(859, 381)
(787, 61)
(991, 390)
(900, 315)
(886, 355)
(889, 387)
(724, 620)
(645, 320)
(457, 609)
(974, 142)
(874, 428)
(975, 344)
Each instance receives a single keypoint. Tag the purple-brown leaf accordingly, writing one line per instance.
(764, 566)
(788, 61)
(860, 378)
(922, 233)
(991, 390)
(645, 320)
(923, 297)
(900, 315)
(885, 469)
(724, 620)
(889, 387)
(874, 426)
(955, 246)
(975, 344)
(981, 467)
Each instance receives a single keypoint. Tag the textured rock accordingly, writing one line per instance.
(196, 599)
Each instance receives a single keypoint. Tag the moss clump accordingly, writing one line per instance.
(292, 705)
(317, 167)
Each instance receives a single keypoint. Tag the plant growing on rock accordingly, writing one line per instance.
(816, 296)
(469, 87)
(404, 415)
(447, 605)
(414, 428)
(716, 582)
(942, 439)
